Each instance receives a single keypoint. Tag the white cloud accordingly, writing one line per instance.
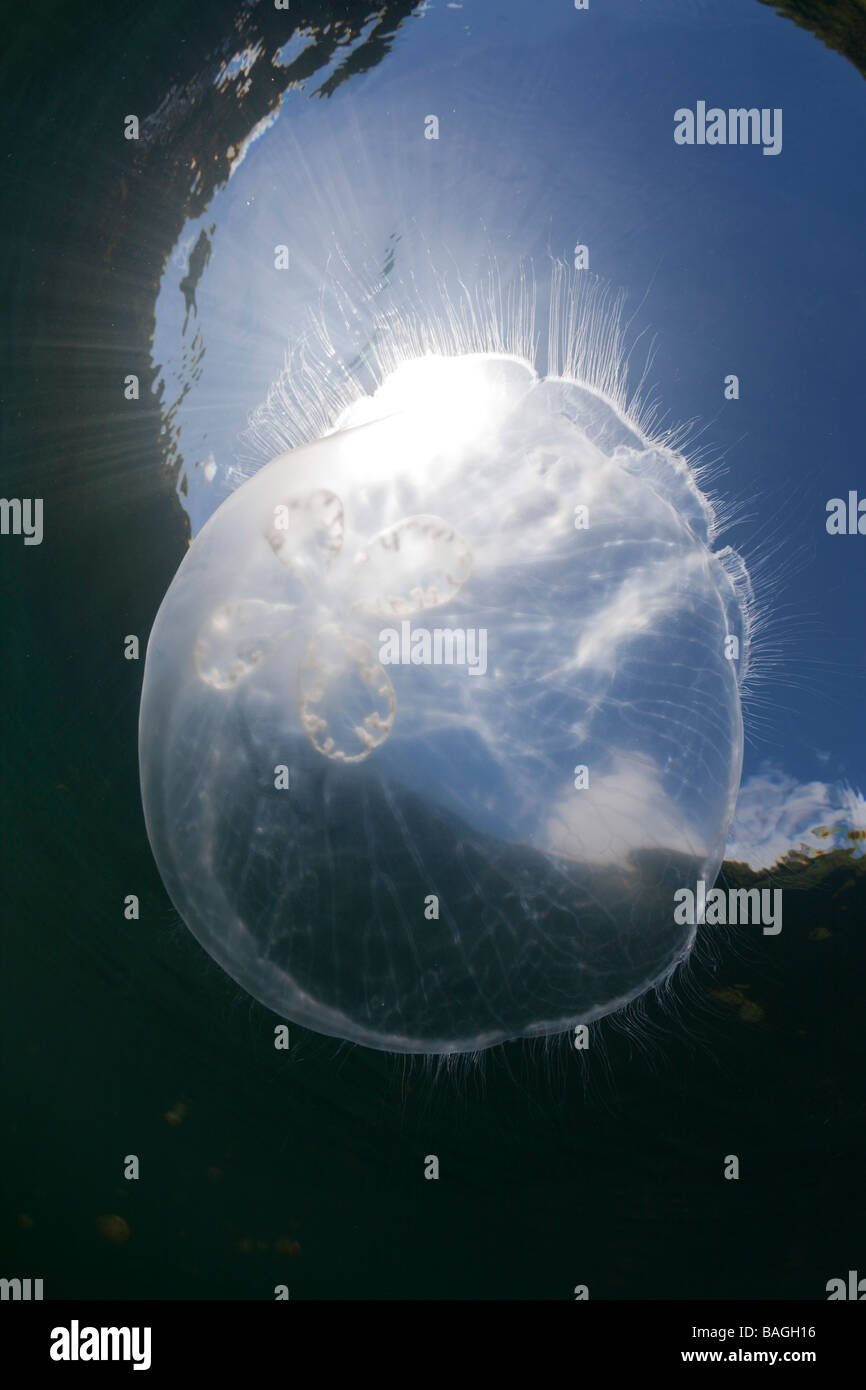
(776, 813)
(627, 810)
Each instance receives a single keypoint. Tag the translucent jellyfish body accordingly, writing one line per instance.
(439, 712)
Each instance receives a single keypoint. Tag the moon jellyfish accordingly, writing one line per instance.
(442, 707)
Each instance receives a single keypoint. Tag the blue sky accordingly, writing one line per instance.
(556, 127)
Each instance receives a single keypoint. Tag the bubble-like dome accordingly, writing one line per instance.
(439, 712)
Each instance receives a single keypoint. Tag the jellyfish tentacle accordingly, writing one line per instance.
(237, 638)
(346, 700)
(305, 532)
(420, 562)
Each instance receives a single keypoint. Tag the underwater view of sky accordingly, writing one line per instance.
(555, 130)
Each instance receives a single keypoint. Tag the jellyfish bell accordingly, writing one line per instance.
(378, 834)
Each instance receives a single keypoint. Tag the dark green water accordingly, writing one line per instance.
(120, 1037)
